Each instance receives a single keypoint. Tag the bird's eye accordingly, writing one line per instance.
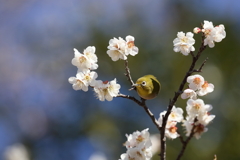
(144, 83)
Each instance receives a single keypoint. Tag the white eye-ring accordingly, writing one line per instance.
(143, 83)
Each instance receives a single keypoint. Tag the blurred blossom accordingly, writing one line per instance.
(155, 139)
(16, 152)
(98, 156)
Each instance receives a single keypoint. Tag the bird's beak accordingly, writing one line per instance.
(133, 87)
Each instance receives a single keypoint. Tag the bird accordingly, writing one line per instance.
(147, 87)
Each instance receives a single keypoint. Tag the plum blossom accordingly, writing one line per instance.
(83, 80)
(198, 117)
(138, 146)
(130, 49)
(120, 48)
(184, 43)
(195, 107)
(85, 61)
(195, 81)
(205, 89)
(175, 116)
(117, 49)
(189, 93)
(106, 90)
(213, 34)
(200, 125)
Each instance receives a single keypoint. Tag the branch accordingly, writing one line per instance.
(142, 104)
(185, 143)
(177, 94)
(128, 73)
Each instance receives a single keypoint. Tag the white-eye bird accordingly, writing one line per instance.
(147, 87)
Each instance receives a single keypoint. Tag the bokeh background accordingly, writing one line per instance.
(43, 118)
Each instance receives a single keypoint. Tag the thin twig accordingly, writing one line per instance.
(128, 73)
(200, 68)
(177, 94)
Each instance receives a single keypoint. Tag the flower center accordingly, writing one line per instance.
(82, 59)
(207, 32)
(185, 39)
(130, 44)
(205, 85)
(173, 129)
(197, 80)
(140, 138)
(173, 115)
(87, 78)
(197, 106)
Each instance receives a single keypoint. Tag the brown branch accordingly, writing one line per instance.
(142, 103)
(185, 143)
(177, 94)
(180, 137)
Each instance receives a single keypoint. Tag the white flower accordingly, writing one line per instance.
(83, 80)
(85, 61)
(120, 49)
(195, 81)
(213, 34)
(205, 118)
(98, 156)
(198, 130)
(117, 49)
(220, 33)
(89, 52)
(130, 47)
(136, 153)
(171, 130)
(77, 84)
(184, 43)
(16, 152)
(106, 90)
(176, 114)
(155, 143)
(138, 146)
(188, 124)
(200, 125)
(189, 93)
(137, 137)
(195, 107)
(205, 89)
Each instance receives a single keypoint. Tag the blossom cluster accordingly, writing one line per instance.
(85, 77)
(138, 145)
(197, 111)
(184, 42)
(120, 48)
(86, 62)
